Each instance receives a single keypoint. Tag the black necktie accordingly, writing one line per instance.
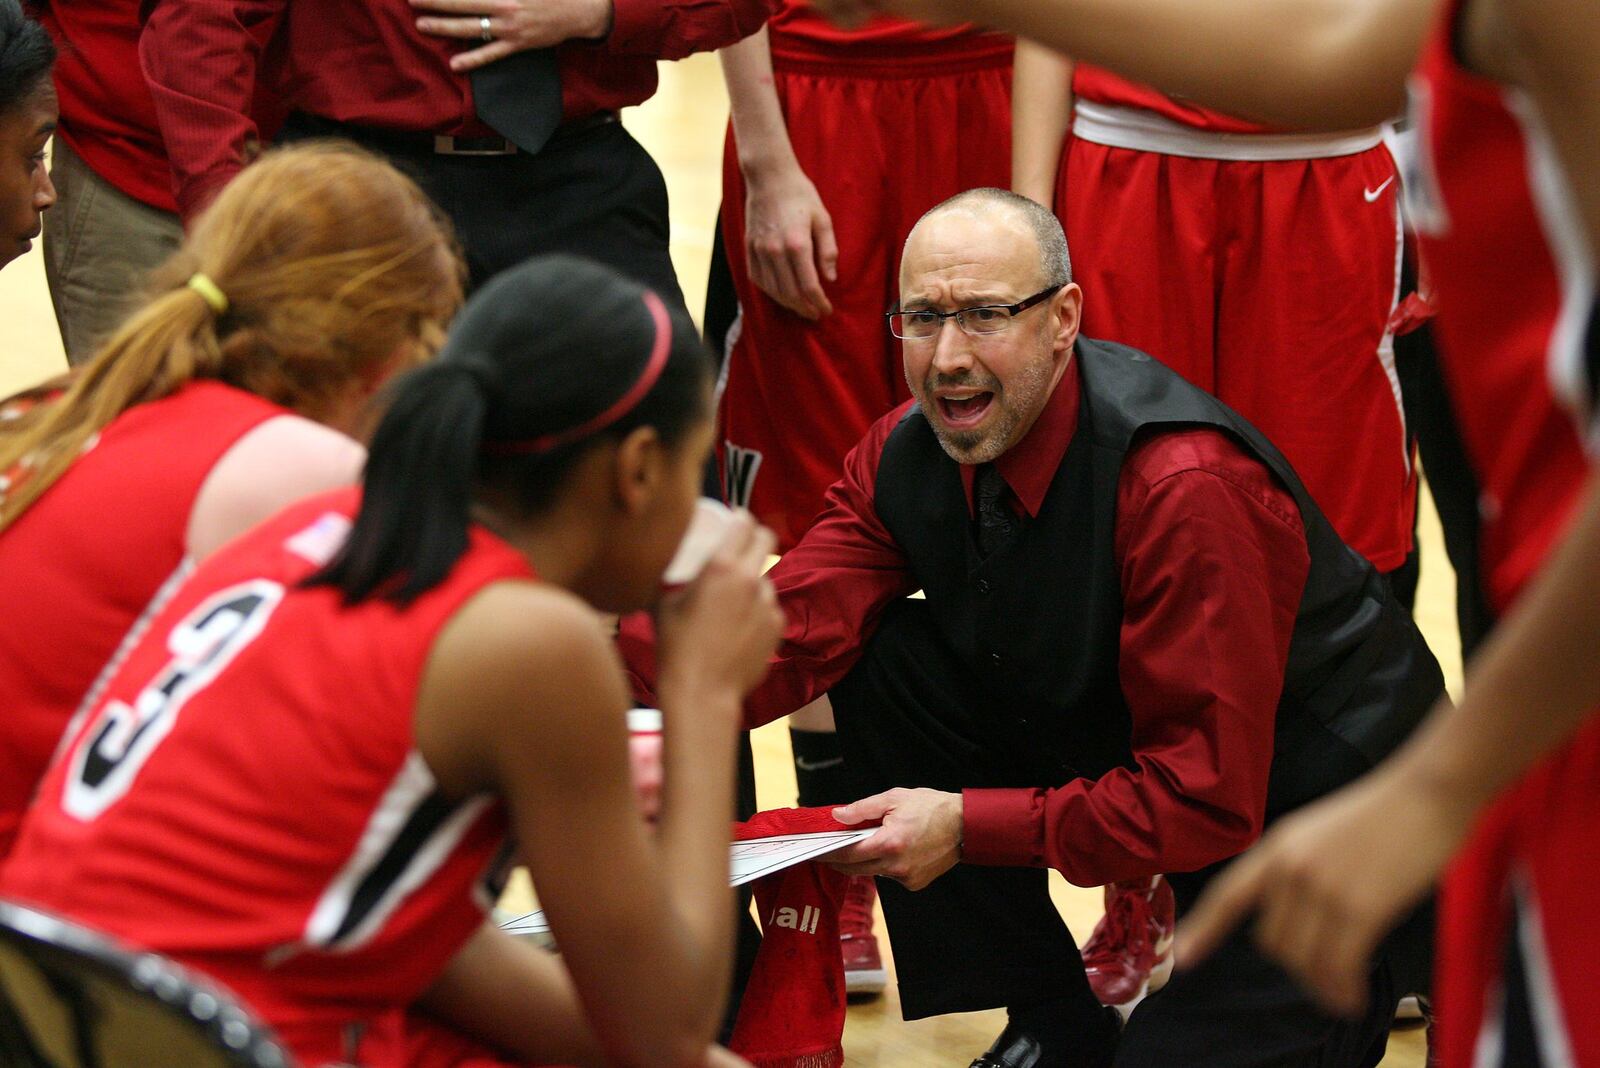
(997, 524)
(520, 96)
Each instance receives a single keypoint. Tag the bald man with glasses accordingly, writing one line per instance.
(1140, 642)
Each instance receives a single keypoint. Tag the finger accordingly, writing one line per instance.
(481, 57)
(827, 247)
(475, 8)
(868, 808)
(1220, 909)
(760, 274)
(803, 263)
(1344, 965)
(463, 29)
(787, 289)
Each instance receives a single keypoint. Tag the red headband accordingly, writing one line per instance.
(624, 404)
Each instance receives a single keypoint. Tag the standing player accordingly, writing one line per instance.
(302, 779)
(840, 140)
(235, 390)
(1508, 212)
(1263, 266)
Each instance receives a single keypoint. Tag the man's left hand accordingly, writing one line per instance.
(515, 25)
(919, 841)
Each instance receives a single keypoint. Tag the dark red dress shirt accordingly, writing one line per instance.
(365, 62)
(1213, 559)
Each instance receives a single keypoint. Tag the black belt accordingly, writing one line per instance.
(418, 143)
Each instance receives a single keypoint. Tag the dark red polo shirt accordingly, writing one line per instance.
(1213, 559)
(365, 62)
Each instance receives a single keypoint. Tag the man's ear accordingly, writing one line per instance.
(1067, 309)
(641, 469)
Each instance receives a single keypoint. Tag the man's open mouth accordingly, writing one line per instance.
(962, 412)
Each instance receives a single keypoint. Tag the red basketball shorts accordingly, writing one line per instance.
(1268, 283)
(884, 140)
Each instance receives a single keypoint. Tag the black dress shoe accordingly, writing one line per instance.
(1019, 1047)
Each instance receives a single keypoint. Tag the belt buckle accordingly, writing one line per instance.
(445, 145)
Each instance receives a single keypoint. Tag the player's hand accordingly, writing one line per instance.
(789, 240)
(718, 632)
(514, 25)
(920, 838)
(1327, 883)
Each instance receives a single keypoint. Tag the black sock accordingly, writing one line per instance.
(819, 768)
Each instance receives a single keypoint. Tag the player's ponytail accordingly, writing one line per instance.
(318, 266)
(545, 362)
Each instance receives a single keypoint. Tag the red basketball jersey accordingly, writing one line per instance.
(247, 797)
(80, 565)
(1514, 286)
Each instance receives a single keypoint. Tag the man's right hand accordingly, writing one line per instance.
(717, 633)
(789, 240)
(514, 25)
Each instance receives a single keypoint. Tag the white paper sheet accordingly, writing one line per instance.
(747, 861)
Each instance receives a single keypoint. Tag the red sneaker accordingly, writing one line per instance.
(863, 966)
(1130, 953)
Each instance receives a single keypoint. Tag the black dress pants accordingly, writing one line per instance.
(980, 937)
(592, 191)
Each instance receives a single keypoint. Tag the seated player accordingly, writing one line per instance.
(1141, 641)
(305, 777)
(27, 119)
(228, 395)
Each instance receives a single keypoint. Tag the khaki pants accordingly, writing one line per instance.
(99, 243)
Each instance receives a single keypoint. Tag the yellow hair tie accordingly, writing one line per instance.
(213, 294)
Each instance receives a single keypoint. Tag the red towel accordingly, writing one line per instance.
(792, 1013)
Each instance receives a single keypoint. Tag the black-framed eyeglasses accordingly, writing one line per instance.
(923, 323)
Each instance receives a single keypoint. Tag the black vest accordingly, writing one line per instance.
(1036, 625)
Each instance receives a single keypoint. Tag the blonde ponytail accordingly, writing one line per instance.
(330, 267)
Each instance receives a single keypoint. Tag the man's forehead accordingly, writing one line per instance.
(991, 245)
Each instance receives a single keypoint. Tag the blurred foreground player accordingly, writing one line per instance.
(305, 779)
(237, 388)
(812, 232)
(1140, 642)
(1507, 209)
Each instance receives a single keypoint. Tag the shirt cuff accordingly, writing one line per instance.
(1003, 828)
(636, 27)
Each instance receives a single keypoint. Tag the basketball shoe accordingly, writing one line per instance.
(1130, 953)
(864, 973)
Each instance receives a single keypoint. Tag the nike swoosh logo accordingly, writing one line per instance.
(1373, 194)
(821, 765)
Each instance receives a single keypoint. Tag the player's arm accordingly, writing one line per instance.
(1553, 47)
(522, 697)
(1322, 64)
(201, 60)
(1349, 867)
(283, 460)
(1041, 113)
(789, 244)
